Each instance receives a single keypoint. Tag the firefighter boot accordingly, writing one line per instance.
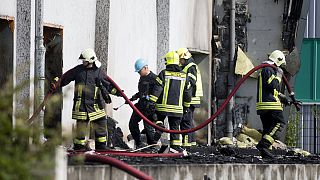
(100, 146)
(80, 147)
(263, 147)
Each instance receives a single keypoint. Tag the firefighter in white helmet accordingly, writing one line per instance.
(91, 91)
(270, 102)
(193, 72)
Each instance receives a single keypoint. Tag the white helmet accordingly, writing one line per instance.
(278, 57)
(88, 55)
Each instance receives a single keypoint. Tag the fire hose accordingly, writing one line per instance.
(117, 163)
(127, 168)
(206, 122)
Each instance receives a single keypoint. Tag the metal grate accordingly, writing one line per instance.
(309, 134)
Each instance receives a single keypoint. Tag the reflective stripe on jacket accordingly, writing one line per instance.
(171, 93)
(193, 72)
(89, 82)
(268, 90)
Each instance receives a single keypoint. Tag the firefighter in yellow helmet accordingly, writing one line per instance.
(172, 96)
(270, 102)
(90, 92)
(193, 72)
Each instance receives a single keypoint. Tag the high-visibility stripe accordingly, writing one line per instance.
(269, 138)
(192, 76)
(176, 142)
(113, 91)
(79, 95)
(193, 143)
(182, 84)
(79, 141)
(102, 139)
(274, 130)
(165, 91)
(159, 80)
(199, 90)
(195, 100)
(153, 98)
(270, 79)
(260, 88)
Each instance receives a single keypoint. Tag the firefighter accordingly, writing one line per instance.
(270, 102)
(146, 83)
(171, 96)
(194, 76)
(91, 89)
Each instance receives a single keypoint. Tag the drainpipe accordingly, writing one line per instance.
(231, 68)
(39, 65)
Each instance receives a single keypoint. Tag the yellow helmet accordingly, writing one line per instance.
(278, 57)
(172, 58)
(88, 55)
(184, 53)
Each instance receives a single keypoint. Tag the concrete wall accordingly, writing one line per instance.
(190, 24)
(132, 34)
(264, 36)
(78, 21)
(198, 172)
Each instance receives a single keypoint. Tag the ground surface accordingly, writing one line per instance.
(221, 155)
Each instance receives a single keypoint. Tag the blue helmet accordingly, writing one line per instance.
(140, 63)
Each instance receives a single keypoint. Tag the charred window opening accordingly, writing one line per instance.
(291, 15)
(53, 42)
(6, 56)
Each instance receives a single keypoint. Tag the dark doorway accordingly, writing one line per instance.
(203, 113)
(53, 42)
(6, 68)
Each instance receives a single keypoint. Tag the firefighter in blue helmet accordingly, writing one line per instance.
(91, 92)
(146, 84)
(171, 96)
(270, 102)
(193, 72)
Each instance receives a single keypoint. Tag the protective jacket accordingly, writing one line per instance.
(268, 91)
(90, 83)
(145, 87)
(171, 92)
(193, 72)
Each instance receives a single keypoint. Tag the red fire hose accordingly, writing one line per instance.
(117, 163)
(206, 122)
(215, 114)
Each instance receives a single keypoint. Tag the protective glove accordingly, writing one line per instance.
(133, 98)
(118, 93)
(150, 107)
(107, 99)
(53, 85)
(279, 72)
(284, 100)
(296, 103)
(186, 110)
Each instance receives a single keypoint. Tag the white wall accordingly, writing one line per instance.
(8, 8)
(78, 21)
(132, 34)
(190, 24)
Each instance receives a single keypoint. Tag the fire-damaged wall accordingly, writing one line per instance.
(258, 32)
